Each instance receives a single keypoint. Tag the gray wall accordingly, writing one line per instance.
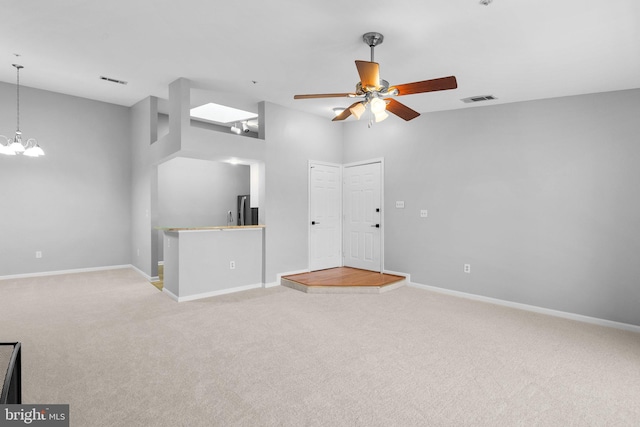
(541, 198)
(292, 139)
(74, 203)
(194, 192)
(198, 261)
(143, 239)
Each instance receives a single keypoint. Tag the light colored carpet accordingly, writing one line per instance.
(123, 354)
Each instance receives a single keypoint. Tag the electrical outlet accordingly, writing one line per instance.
(467, 268)
(232, 265)
(400, 204)
(38, 254)
(423, 213)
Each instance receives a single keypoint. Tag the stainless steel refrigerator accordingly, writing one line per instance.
(246, 214)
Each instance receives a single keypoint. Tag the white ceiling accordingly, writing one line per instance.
(513, 49)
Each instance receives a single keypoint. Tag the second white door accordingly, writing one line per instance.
(362, 226)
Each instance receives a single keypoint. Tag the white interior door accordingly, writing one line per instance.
(325, 211)
(362, 227)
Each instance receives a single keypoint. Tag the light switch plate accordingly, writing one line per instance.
(400, 204)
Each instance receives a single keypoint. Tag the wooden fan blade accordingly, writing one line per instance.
(401, 110)
(346, 113)
(324, 95)
(369, 74)
(433, 85)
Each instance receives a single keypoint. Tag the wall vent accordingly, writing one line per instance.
(109, 79)
(478, 98)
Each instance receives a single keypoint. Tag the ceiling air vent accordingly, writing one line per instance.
(479, 98)
(109, 79)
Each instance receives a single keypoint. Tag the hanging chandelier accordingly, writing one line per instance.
(14, 146)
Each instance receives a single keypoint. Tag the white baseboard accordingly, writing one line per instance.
(271, 284)
(210, 294)
(73, 271)
(533, 308)
(279, 277)
(143, 274)
(170, 294)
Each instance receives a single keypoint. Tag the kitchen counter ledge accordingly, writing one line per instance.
(207, 228)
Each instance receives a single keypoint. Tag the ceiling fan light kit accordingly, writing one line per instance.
(357, 110)
(377, 93)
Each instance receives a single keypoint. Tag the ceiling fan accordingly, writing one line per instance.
(378, 94)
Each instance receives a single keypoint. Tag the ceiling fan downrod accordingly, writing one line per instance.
(372, 40)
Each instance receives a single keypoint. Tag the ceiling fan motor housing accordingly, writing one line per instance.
(383, 89)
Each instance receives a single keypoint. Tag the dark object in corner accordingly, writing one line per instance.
(11, 392)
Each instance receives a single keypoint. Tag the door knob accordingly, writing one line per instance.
(376, 225)
(314, 223)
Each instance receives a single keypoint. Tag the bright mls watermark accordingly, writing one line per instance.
(34, 415)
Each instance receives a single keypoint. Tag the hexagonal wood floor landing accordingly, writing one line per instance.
(343, 280)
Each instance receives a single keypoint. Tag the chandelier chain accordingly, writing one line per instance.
(18, 100)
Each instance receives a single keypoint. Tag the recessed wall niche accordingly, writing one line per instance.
(159, 128)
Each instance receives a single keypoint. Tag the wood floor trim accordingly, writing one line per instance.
(341, 277)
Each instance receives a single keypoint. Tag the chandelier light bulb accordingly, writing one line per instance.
(33, 149)
(4, 149)
(16, 145)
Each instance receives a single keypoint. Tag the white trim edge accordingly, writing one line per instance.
(212, 293)
(556, 313)
(397, 273)
(271, 284)
(143, 274)
(170, 294)
(279, 277)
(73, 271)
